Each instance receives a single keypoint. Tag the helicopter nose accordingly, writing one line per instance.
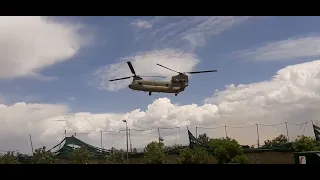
(130, 86)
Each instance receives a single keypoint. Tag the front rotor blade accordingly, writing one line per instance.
(131, 67)
(120, 78)
(197, 72)
(154, 76)
(168, 68)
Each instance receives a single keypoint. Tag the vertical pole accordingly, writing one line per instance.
(159, 134)
(130, 141)
(258, 140)
(127, 143)
(101, 140)
(225, 129)
(31, 143)
(196, 132)
(287, 131)
(65, 133)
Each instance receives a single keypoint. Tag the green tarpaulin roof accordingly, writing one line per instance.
(71, 143)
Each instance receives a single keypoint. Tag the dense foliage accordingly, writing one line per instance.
(279, 142)
(301, 143)
(203, 139)
(154, 153)
(196, 155)
(116, 157)
(80, 156)
(305, 143)
(42, 156)
(9, 158)
(226, 149)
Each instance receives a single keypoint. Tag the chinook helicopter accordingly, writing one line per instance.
(177, 84)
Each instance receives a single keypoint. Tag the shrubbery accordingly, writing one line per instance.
(9, 158)
(116, 157)
(197, 155)
(42, 156)
(219, 150)
(80, 156)
(154, 153)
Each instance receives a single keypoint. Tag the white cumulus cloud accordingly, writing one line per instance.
(145, 64)
(292, 95)
(289, 49)
(28, 44)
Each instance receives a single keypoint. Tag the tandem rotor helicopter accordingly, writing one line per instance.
(177, 84)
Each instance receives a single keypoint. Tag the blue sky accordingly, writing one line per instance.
(268, 73)
(115, 38)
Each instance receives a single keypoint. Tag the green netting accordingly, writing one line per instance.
(316, 131)
(69, 145)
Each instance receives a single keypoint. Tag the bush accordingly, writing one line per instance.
(80, 156)
(203, 139)
(195, 156)
(241, 159)
(305, 143)
(225, 149)
(279, 142)
(154, 153)
(42, 156)
(117, 157)
(9, 158)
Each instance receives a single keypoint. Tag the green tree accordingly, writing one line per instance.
(225, 149)
(203, 138)
(154, 153)
(173, 148)
(278, 142)
(42, 156)
(117, 157)
(241, 159)
(9, 158)
(305, 143)
(196, 155)
(80, 156)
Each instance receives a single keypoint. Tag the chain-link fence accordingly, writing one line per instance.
(252, 135)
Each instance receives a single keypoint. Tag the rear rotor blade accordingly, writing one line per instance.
(131, 67)
(154, 76)
(120, 78)
(168, 68)
(197, 72)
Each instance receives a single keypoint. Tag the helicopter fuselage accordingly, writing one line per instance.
(177, 84)
(156, 86)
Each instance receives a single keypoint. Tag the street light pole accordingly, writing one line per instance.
(127, 140)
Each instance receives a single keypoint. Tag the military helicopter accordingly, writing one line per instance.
(177, 84)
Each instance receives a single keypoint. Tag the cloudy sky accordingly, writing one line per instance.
(54, 74)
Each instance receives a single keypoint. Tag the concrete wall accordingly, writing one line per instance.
(271, 157)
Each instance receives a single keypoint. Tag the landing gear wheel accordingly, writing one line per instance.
(176, 94)
(149, 93)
